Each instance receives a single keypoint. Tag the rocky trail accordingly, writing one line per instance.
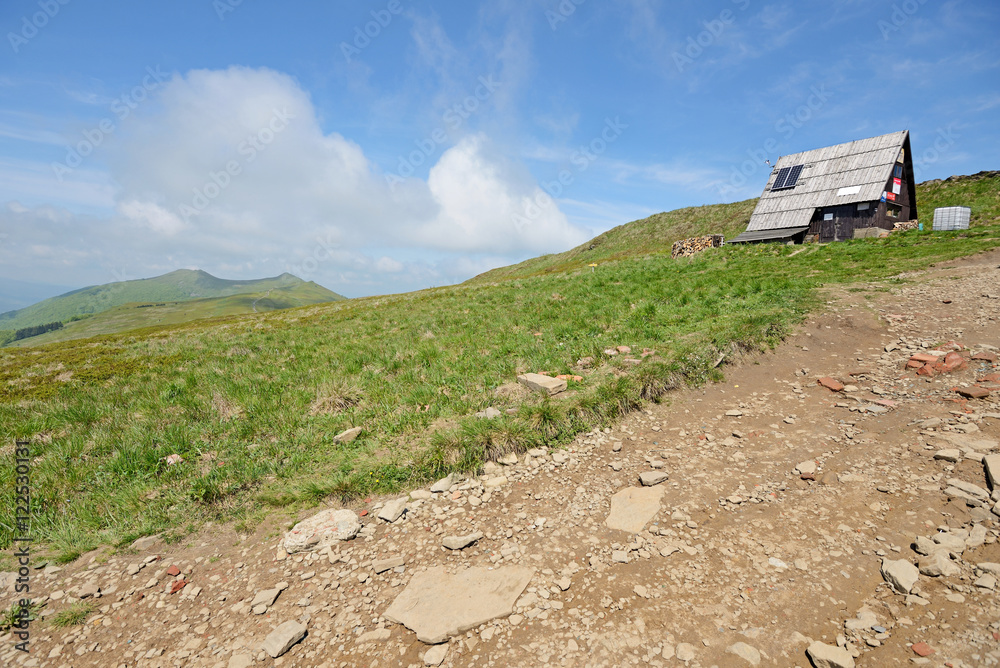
(830, 504)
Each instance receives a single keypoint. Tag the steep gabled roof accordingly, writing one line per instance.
(843, 174)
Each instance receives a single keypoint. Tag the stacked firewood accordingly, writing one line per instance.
(694, 245)
(903, 226)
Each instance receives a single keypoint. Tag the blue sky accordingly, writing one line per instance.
(388, 145)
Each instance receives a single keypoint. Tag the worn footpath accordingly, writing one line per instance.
(830, 504)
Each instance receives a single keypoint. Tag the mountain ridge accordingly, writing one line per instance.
(180, 285)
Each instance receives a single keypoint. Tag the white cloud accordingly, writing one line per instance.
(230, 168)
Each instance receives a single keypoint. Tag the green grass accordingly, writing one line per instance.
(658, 233)
(15, 614)
(252, 403)
(180, 285)
(655, 234)
(150, 314)
(74, 615)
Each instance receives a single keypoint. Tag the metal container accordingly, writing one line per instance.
(952, 218)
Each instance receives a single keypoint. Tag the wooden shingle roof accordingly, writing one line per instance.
(843, 174)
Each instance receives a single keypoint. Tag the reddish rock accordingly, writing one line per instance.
(927, 370)
(177, 586)
(173, 571)
(973, 392)
(363, 513)
(922, 649)
(952, 362)
(925, 358)
(991, 378)
(914, 364)
(945, 301)
(985, 357)
(831, 384)
(624, 349)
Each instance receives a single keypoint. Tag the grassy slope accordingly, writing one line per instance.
(135, 316)
(252, 402)
(658, 233)
(650, 235)
(180, 285)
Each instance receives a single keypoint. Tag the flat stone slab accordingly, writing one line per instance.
(437, 605)
(392, 510)
(651, 478)
(461, 542)
(633, 508)
(901, 574)
(540, 383)
(322, 529)
(992, 465)
(281, 639)
(828, 656)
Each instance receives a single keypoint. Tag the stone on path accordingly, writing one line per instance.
(901, 574)
(973, 392)
(392, 510)
(435, 655)
(938, 563)
(992, 465)
(437, 605)
(828, 656)
(685, 652)
(948, 455)
(806, 467)
(144, 543)
(281, 639)
(651, 478)
(745, 652)
(443, 485)
(632, 508)
(383, 565)
(831, 384)
(240, 660)
(461, 542)
(540, 383)
(321, 530)
(348, 435)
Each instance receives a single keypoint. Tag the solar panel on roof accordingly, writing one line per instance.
(779, 182)
(793, 176)
(787, 177)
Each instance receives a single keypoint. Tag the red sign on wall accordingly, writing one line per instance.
(891, 197)
(897, 182)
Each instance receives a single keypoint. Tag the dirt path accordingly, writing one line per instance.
(783, 501)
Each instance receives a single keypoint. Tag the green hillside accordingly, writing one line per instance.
(252, 403)
(657, 233)
(180, 285)
(153, 314)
